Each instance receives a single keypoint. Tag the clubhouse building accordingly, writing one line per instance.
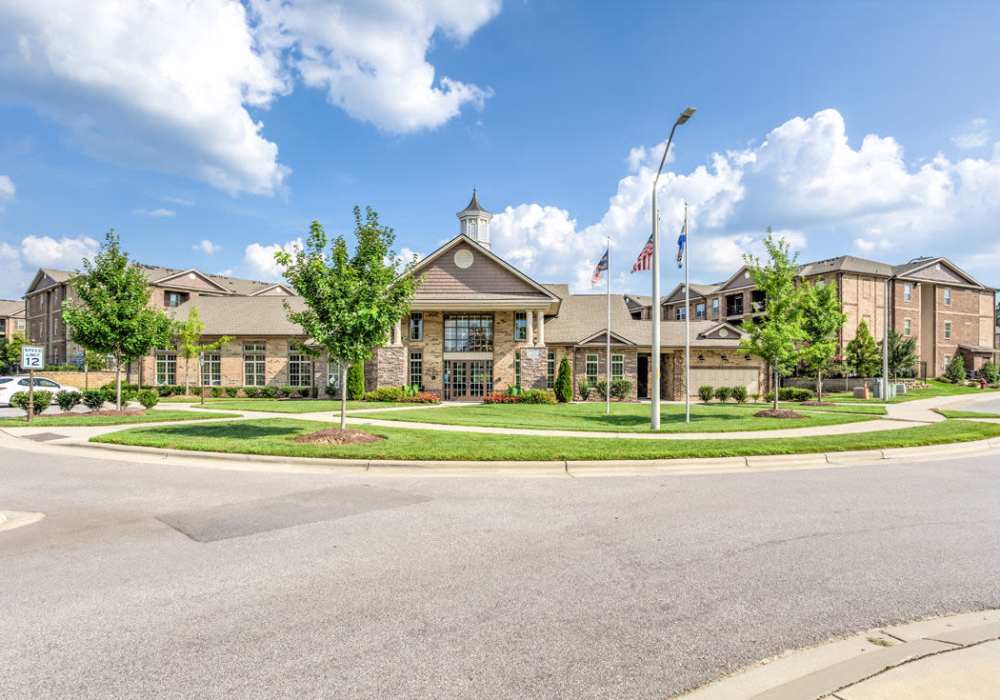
(477, 324)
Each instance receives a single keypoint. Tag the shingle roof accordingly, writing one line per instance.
(846, 263)
(243, 316)
(11, 307)
(583, 315)
(154, 273)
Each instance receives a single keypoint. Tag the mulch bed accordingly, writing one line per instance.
(335, 436)
(780, 413)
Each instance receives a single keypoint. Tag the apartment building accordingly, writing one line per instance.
(11, 318)
(947, 310)
(476, 324)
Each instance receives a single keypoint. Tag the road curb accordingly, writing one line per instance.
(822, 671)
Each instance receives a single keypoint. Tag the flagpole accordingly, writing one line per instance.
(607, 337)
(687, 321)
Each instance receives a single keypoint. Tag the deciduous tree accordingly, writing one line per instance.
(862, 353)
(352, 301)
(902, 355)
(187, 337)
(111, 313)
(822, 319)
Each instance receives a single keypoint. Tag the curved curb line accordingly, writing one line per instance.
(558, 467)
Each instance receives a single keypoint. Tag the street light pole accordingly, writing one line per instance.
(654, 419)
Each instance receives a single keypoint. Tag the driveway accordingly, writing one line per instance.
(152, 580)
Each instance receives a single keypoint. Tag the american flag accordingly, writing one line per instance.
(602, 267)
(645, 259)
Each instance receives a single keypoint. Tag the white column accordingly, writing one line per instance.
(397, 333)
(531, 326)
(541, 328)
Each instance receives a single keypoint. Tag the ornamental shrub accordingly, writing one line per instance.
(289, 391)
(40, 401)
(356, 381)
(330, 390)
(304, 392)
(583, 388)
(723, 393)
(94, 399)
(217, 392)
(424, 397)
(68, 400)
(251, 392)
(621, 389)
(538, 396)
(990, 372)
(602, 389)
(564, 382)
(955, 371)
(386, 393)
(148, 398)
(705, 393)
(232, 391)
(791, 393)
(501, 397)
(269, 392)
(740, 394)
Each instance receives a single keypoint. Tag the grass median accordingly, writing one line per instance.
(71, 420)
(297, 405)
(624, 418)
(935, 388)
(275, 436)
(966, 414)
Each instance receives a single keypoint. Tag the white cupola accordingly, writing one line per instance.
(474, 222)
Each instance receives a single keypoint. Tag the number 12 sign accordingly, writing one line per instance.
(32, 357)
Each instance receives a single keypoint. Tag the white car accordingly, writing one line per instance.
(10, 385)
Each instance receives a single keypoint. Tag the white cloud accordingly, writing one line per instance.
(260, 258)
(975, 135)
(18, 264)
(155, 213)
(804, 178)
(181, 201)
(163, 85)
(7, 189)
(207, 247)
(371, 56)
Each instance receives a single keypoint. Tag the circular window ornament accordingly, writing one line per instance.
(723, 333)
(463, 259)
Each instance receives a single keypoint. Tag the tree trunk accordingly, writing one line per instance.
(775, 370)
(118, 383)
(819, 386)
(343, 397)
(187, 376)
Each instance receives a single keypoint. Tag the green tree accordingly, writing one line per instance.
(822, 319)
(352, 301)
(775, 336)
(187, 337)
(955, 371)
(356, 381)
(111, 313)
(564, 381)
(862, 353)
(990, 372)
(10, 353)
(902, 355)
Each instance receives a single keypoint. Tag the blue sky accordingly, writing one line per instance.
(141, 119)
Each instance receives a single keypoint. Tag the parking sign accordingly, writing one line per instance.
(32, 357)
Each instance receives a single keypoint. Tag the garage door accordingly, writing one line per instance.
(734, 376)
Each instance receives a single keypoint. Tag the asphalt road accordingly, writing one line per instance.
(154, 581)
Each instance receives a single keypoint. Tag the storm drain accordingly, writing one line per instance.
(45, 437)
(266, 514)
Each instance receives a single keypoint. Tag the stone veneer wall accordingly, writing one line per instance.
(579, 360)
(704, 358)
(388, 367)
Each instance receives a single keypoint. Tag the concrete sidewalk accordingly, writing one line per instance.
(955, 657)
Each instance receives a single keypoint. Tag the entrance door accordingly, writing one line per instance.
(467, 380)
(642, 376)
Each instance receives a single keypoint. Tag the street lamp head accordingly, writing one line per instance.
(685, 115)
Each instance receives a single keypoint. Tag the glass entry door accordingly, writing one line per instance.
(467, 380)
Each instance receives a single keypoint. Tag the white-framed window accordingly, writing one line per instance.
(517, 368)
(699, 311)
(947, 296)
(550, 370)
(617, 367)
(715, 307)
(19, 324)
(947, 329)
(417, 369)
(416, 326)
(680, 313)
(211, 369)
(300, 368)
(907, 327)
(254, 363)
(907, 292)
(520, 325)
(166, 368)
(947, 360)
(592, 368)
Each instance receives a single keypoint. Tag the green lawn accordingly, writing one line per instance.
(274, 436)
(935, 388)
(966, 414)
(625, 417)
(55, 420)
(295, 405)
(871, 409)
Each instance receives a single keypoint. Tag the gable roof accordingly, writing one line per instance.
(846, 263)
(189, 273)
(698, 291)
(918, 265)
(243, 315)
(268, 291)
(539, 291)
(11, 308)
